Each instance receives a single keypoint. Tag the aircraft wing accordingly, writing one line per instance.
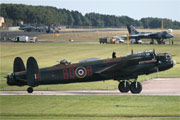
(140, 35)
(119, 67)
(143, 35)
(123, 36)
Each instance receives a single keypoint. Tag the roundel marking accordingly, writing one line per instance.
(81, 72)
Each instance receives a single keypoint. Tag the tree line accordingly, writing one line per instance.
(47, 15)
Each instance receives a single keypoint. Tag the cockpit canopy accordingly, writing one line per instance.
(146, 53)
(89, 59)
(65, 62)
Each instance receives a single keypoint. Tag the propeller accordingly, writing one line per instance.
(155, 56)
(157, 62)
(157, 69)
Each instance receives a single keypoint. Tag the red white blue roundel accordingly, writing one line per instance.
(81, 72)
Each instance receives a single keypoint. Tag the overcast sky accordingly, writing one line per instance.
(136, 9)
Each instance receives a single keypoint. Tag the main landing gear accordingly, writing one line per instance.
(124, 86)
(135, 87)
(30, 90)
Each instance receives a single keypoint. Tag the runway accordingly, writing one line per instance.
(33, 34)
(159, 86)
(4, 36)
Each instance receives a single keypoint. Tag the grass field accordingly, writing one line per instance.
(90, 107)
(48, 54)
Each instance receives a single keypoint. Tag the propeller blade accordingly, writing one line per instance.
(155, 57)
(157, 72)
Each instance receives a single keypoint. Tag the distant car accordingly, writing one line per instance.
(133, 41)
(32, 39)
(20, 39)
(120, 40)
(111, 40)
(24, 39)
(103, 40)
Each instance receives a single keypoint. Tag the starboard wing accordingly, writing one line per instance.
(143, 35)
(118, 68)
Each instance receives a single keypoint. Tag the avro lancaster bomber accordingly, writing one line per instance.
(123, 69)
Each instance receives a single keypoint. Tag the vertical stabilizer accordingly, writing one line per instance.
(131, 29)
(18, 65)
(32, 72)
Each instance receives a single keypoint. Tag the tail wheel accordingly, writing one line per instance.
(30, 90)
(124, 87)
(136, 87)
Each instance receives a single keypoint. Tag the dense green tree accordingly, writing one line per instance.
(51, 15)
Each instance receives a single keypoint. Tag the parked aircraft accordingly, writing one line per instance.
(123, 69)
(158, 36)
(47, 29)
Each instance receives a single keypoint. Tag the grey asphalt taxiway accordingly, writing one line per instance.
(158, 86)
(33, 34)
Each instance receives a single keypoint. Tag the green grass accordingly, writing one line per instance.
(49, 54)
(89, 107)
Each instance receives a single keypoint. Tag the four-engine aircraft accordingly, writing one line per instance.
(123, 69)
(159, 36)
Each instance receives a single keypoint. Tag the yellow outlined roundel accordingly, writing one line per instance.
(81, 72)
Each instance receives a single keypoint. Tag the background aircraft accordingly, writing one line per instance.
(159, 36)
(123, 69)
(47, 29)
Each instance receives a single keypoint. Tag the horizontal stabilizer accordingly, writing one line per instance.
(32, 72)
(18, 65)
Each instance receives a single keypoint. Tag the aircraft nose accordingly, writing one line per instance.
(169, 35)
(174, 62)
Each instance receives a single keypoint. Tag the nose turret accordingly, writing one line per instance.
(166, 62)
(174, 62)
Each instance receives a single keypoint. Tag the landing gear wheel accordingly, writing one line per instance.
(124, 87)
(136, 87)
(29, 89)
(151, 42)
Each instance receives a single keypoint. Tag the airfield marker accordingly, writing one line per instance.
(162, 25)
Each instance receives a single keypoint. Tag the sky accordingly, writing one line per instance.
(135, 9)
